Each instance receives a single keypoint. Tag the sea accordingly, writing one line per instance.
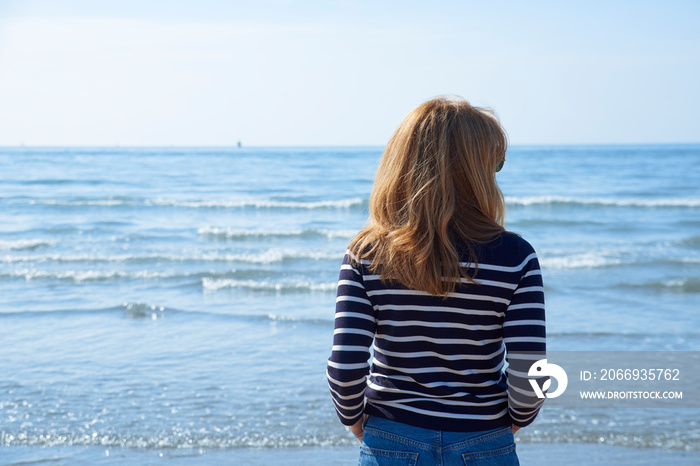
(176, 304)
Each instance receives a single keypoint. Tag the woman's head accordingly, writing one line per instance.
(435, 186)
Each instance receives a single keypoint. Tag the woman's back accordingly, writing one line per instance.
(437, 360)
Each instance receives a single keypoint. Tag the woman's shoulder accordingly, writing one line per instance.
(515, 242)
(507, 249)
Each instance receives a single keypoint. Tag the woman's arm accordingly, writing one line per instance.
(524, 335)
(348, 365)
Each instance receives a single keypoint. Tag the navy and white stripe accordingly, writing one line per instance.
(438, 362)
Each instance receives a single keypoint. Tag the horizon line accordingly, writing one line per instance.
(318, 146)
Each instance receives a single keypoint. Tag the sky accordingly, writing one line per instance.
(343, 73)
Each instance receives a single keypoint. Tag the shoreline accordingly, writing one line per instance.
(529, 454)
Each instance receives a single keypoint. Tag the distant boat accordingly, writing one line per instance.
(239, 144)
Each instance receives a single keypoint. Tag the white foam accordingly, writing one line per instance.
(86, 275)
(261, 204)
(234, 233)
(82, 202)
(264, 257)
(25, 244)
(579, 261)
(544, 200)
(210, 203)
(217, 284)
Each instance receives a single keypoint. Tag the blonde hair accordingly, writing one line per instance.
(435, 186)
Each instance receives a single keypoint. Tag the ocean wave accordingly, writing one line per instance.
(622, 335)
(681, 261)
(692, 242)
(674, 438)
(83, 202)
(264, 257)
(541, 222)
(594, 260)
(267, 204)
(355, 202)
(204, 204)
(81, 276)
(612, 202)
(25, 244)
(592, 429)
(590, 260)
(131, 310)
(294, 286)
(178, 439)
(142, 311)
(580, 261)
(239, 234)
(209, 280)
(678, 285)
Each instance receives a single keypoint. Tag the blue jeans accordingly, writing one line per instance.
(389, 443)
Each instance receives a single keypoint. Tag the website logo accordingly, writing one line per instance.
(543, 369)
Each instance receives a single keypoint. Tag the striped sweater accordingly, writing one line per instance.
(439, 363)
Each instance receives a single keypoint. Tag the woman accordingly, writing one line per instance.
(444, 296)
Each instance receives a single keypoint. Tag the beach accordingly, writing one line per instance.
(176, 304)
(528, 454)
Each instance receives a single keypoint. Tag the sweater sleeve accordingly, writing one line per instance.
(524, 335)
(348, 365)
